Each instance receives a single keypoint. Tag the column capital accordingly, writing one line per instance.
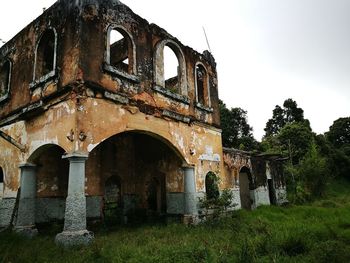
(27, 165)
(187, 166)
(76, 156)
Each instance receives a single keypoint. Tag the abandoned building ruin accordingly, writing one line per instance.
(89, 119)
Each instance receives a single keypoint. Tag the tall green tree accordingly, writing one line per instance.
(292, 141)
(287, 132)
(339, 132)
(289, 113)
(236, 132)
(338, 137)
(295, 140)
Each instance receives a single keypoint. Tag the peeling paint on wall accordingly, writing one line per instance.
(133, 127)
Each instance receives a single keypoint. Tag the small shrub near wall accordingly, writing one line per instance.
(214, 204)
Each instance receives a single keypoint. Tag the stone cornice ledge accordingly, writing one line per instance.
(178, 97)
(176, 116)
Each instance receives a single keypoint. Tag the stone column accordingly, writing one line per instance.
(74, 232)
(190, 201)
(25, 223)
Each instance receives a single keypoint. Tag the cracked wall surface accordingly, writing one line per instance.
(83, 103)
(266, 176)
(123, 116)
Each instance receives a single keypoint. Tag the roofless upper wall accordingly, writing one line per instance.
(72, 43)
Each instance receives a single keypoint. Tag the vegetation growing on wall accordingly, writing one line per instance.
(214, 202)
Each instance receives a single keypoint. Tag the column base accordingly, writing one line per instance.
(74, 238)
(190, 219)
(27, 231)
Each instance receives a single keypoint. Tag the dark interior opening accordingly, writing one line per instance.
(45, 54)
(272, 194)
(1, 175)
(201, 84)
(4, 78)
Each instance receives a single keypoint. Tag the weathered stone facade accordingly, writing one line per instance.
(88, 121)
(256, 179)
(83, 111)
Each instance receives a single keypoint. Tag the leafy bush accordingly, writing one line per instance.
(340, 162)
(217, 205)
(314, 172)
(309, 177)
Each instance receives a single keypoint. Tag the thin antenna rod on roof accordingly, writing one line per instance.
(206, 38)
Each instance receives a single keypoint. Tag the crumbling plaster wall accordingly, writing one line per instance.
(98, 18)
(10, 157)
(197, 145)
(83, 104)
(234, 160)
(51, 127)
(21, 52)
(233, 163)
(277, 172)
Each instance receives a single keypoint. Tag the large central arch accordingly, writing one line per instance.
(133, 172)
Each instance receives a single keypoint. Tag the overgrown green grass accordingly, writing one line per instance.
(317, 232)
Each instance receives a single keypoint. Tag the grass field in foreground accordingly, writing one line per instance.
(317, 232)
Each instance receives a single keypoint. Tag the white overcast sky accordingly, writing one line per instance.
(266, 50)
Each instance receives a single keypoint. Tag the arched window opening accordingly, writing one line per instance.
(171, 70)
(120, 50)
(202, 85)
(45, 54)
(5, 70)
(211, 186)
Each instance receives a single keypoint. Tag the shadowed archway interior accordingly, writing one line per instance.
(134, 172)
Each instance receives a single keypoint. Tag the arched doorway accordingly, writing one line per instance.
(270, 184)
(156, 194)
(245, 185)
(51, 182)
(112, 199)
(211, 186)
(148, 168)
(1, 182)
